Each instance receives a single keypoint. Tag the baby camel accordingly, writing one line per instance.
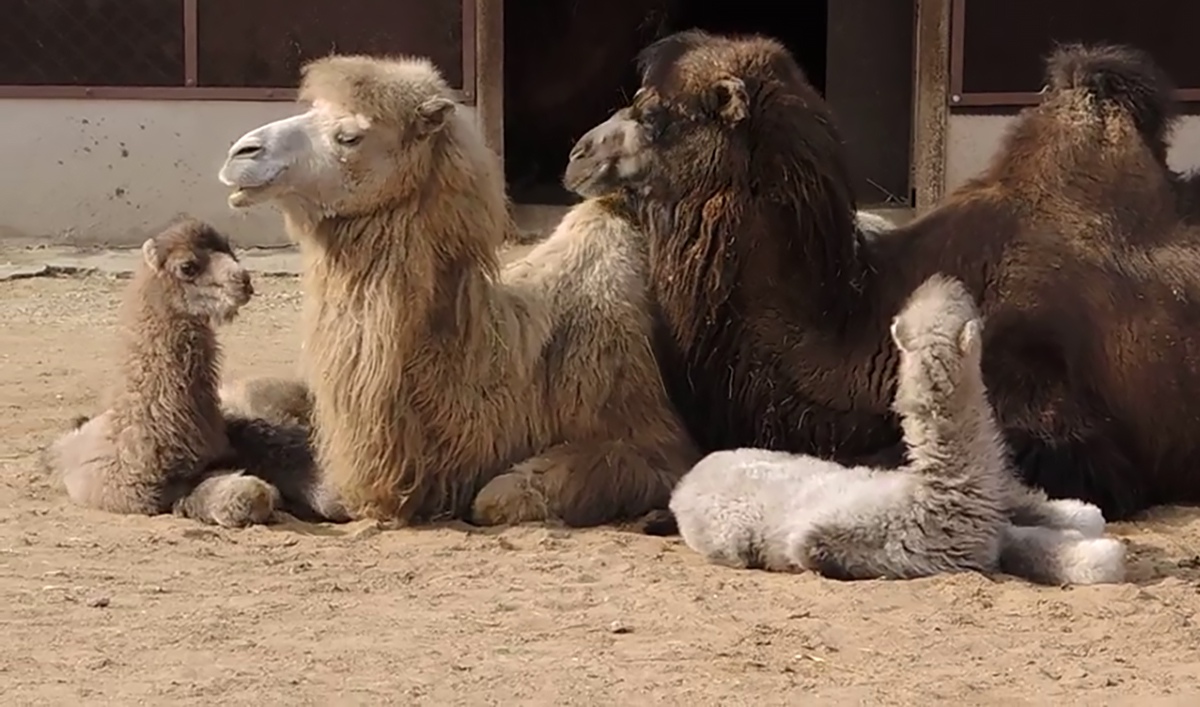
(151, 451)
(956, 507)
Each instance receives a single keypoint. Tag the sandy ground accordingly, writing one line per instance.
(106, 609)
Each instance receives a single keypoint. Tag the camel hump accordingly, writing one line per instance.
(1113, 73)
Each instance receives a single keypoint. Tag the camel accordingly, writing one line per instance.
(151, 450)
(946, 511)
(774, 308)
(443, 386)
(1126, 81)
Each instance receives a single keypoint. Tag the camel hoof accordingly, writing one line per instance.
(509, 499)
(243, 501)
(1095, 561)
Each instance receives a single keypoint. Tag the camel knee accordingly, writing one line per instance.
(509, 499)
(592, 487)
(232, 500)
(1050, 556)
(1073, 514)
(243, 500)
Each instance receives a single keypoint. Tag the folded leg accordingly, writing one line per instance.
(229, 499)
(584, 485)
(1053, 556)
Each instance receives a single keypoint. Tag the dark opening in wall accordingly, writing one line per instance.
(569, 63)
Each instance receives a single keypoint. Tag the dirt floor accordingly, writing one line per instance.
(100, 608)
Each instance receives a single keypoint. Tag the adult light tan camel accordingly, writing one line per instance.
(443, 386)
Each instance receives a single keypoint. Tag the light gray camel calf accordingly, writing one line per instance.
(956, 507)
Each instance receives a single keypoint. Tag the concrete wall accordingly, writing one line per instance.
(972, 139)
(109, 173)
(99, 172)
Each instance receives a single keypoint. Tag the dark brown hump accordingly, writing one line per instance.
(1118, 75)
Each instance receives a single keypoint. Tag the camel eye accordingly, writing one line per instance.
(655, 121)
(189, 269)
(348, 139)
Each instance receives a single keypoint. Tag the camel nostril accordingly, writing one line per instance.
(246, 150)
(580, 151)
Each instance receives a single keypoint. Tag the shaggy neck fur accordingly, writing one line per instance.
(948, 434)
(784, 241)
(712, 236)
(170, 373)
(399, 301)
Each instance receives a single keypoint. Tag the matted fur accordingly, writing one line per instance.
(775, 310)
(282, 401)
(441, 386)
(163, 430)
(946, 511)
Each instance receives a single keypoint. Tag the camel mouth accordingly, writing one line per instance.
(250, 182)
(587, 177)
(245, 197)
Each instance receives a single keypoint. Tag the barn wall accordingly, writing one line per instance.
(111, 172)
(971, 140)
(100, 172)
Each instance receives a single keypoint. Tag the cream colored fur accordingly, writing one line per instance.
(441, 385)
(946, 511)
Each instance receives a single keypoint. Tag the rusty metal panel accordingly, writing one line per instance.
(263, 43)
(998, 47)
(98, 43)
(217, 49)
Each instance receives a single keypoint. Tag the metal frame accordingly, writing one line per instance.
(189, 91)
(959, 98)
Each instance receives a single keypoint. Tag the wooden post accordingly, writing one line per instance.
(489, 70)
(932, 104)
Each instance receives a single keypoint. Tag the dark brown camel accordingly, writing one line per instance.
(774, 312)
(1127, 80)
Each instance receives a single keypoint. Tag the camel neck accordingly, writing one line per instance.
(170, 359)
(403, 278)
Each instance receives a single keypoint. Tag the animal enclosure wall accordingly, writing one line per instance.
(998, 46)
(119, 111)
(997, 55)
(111, 172)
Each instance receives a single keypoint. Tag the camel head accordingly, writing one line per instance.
(939, 333)
(691, 125)
(608, 157)
(369, 137)
(195, 272)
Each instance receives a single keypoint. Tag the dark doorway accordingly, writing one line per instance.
(569, 63)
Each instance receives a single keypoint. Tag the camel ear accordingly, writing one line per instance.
(150, 254)
(433, 114)
(732, 104)
(901, 335)
(971, 337)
